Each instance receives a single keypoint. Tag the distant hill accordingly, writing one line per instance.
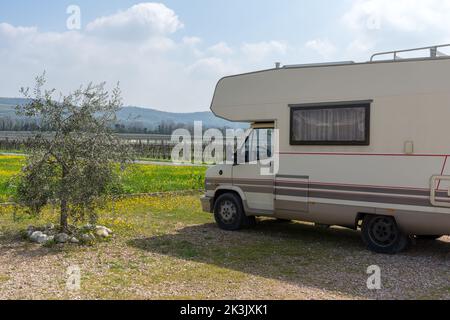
(7, 106)
(138, 117)
(152, 118)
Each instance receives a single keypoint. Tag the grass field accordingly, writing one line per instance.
(9, 166)
(166, 248)
(137, 178)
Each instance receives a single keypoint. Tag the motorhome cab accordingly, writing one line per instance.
(361, 145)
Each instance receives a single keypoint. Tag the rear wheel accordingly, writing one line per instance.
(428, 237)
(382, 235)
(229, 213)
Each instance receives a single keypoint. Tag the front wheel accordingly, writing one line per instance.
(229, 213)
(382, 235)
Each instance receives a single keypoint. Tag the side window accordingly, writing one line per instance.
(259, 145)
(265, 142)
(252, 147)
(346, 124)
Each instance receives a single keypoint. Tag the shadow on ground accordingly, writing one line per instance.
(303, 255)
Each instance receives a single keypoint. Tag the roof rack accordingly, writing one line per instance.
(434, 53)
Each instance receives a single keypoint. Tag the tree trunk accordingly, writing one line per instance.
(64, 225)
(64, 216)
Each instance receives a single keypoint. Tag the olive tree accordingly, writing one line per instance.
(75, 163)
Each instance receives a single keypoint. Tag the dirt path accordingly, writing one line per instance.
(167, 248)
(142, 269)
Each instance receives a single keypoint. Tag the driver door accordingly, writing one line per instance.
(253, 176)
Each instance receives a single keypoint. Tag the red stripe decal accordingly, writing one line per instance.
(364, 154)
(442, 171)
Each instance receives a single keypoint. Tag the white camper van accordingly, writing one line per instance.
(361, 145)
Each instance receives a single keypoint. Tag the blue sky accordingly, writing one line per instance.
(168, 55)
(214, 20)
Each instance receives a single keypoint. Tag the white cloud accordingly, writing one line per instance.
(362, 44)
(323, 47)
(221, 49)
(373, 21)
(401, 15)
(213, 66)
(192, 46)
(11, 31)
(260, 51)
(192, 41)
(157, 71)
(139, 22)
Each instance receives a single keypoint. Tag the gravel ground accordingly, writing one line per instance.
(137, 268)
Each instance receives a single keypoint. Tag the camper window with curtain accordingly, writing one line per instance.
(343, 124)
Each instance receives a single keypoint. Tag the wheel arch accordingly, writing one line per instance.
(361, 215)
(237, 191)
(359, 219)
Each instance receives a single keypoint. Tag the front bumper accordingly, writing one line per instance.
(207, 204)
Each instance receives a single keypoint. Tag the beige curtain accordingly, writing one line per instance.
(337, 124)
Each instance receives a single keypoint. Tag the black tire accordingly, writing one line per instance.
(284, 220)
(382, 235)
(229, 213)
(250, 221)
(431, 238)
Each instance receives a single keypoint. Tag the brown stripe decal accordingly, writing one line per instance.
(254, 182)
(358, 197)
(392, 195)
(292, 192)
(304, 185)
(211, 184)
(373, 198)
(256, 189)
(218, 180)
(412, 192)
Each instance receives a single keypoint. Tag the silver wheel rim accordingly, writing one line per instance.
(228, 211)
